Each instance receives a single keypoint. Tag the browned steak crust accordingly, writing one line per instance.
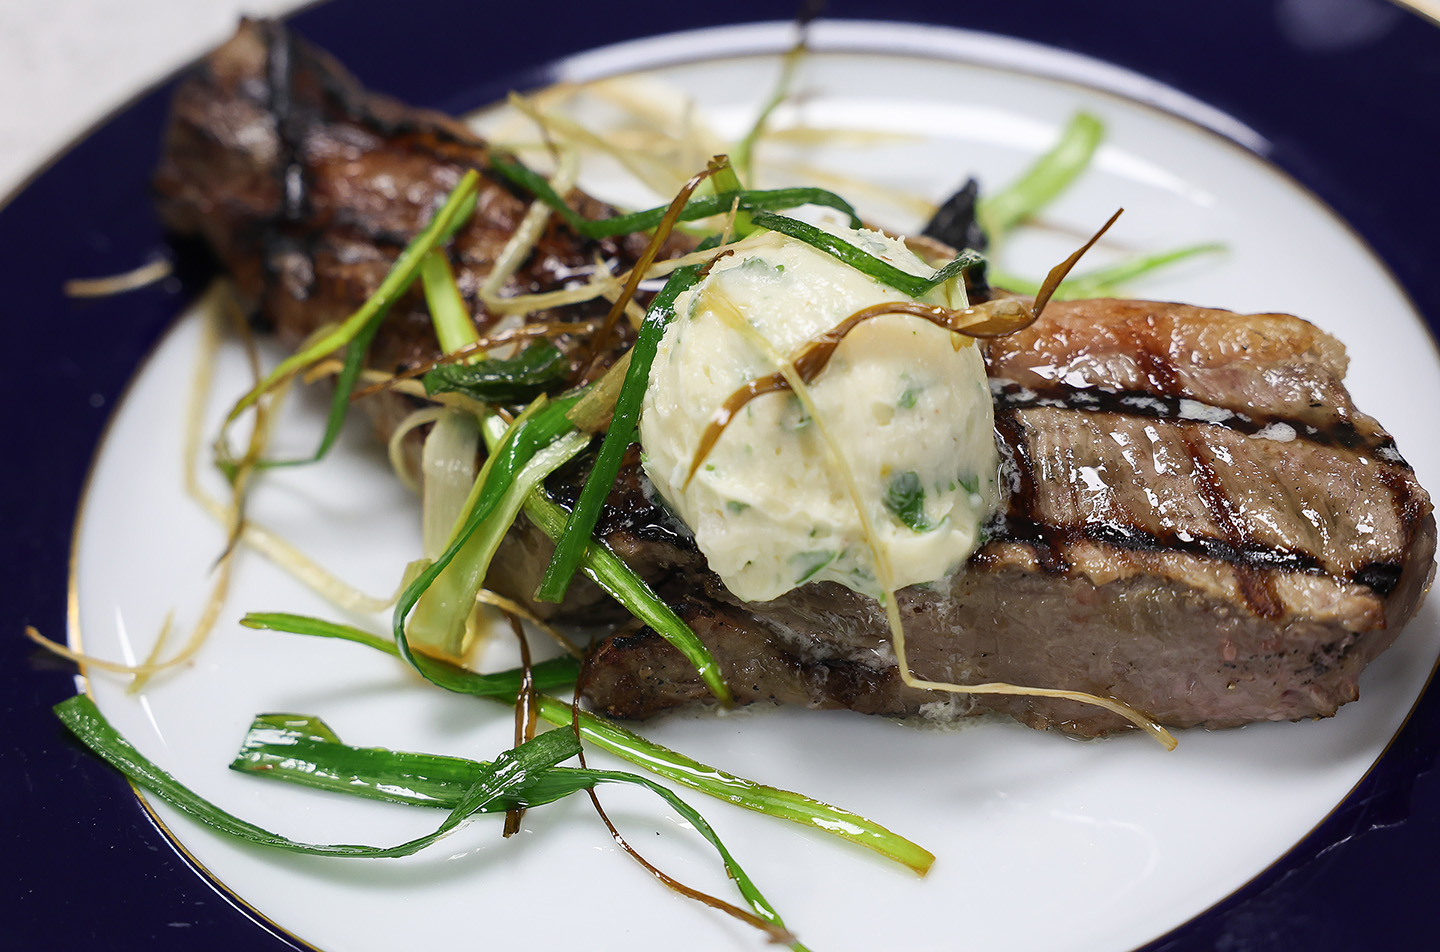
(1200, 523)
(307, 188)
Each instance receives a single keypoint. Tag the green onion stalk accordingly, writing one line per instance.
(609, 736)
(699, 206)
(356, 331)
(303, 749)
(571, 544)
(1045, 179)
(1109, 281)
(540, 440)
(492, 788)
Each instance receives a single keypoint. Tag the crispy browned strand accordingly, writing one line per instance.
(1200, 523)
(307, 187)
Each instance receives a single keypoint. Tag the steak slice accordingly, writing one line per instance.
(307, 187)
(1199, 523)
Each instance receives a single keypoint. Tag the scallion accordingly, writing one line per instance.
(611, 737)
(570, 546)
(1110, 281)
(301, 749)
(864, 262)
(698, 207)
(493, 788)
(1044, 180)
(448, 312)
(539, 368)
(446, 591)
(548, 675)
(456, 210)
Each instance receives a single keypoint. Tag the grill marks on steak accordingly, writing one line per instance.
(1200, 523)
(307, 187)
(1244, 449)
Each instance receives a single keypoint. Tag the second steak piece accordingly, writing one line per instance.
(1200, 524)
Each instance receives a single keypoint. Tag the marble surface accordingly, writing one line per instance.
(67, 64)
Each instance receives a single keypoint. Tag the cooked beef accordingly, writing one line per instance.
(307, 187)
(1199, 522)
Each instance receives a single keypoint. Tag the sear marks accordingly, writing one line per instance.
(1200, 523)
(307, 187)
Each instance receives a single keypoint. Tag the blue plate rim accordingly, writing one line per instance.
(61, 222)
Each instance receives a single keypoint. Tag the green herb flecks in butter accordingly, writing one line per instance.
(810, 563)
(905, 498)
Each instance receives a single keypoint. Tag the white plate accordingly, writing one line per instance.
(1042, 842)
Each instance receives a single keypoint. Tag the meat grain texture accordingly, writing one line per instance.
(1199, 521)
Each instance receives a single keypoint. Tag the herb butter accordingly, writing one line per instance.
(905, 404)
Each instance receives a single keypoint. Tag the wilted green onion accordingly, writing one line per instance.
(1044, 180)
(762, 798)
(795, 807)
(502, 685)
(455, 212)
(744, 151)
(448, 313)
(570, 546)
(620, 582)
(494, 787)
(304, 750)
(498, 489)
(1109, 281)
(521, 442)
(726, 179)
(864, 262)
(444, 595)
(540, 368)
(698, 207)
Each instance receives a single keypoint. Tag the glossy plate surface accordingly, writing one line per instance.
(1042, 842)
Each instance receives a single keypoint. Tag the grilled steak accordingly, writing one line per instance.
(1199, 522)
(307, 187)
